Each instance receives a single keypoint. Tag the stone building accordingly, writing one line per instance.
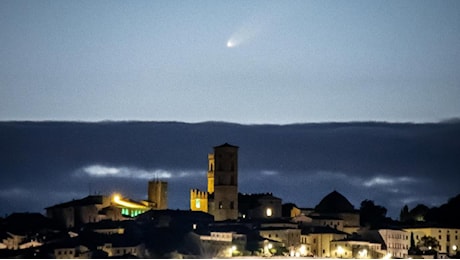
(221, 199)
(336, 207)
(92, 208)
(447, 237)
(260, 205)
(157, 194)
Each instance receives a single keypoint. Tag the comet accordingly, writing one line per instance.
(230, 44)
(246, 33)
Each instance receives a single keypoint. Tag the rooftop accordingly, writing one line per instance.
(334, 202)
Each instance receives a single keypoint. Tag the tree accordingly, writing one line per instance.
(419, 212)
(413, 250)
(447, 214)
(371, 214)
(404, 215)
(428, 243)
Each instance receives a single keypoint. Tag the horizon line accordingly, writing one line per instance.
(442, 121)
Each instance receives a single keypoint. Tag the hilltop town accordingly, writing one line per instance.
(222, 222)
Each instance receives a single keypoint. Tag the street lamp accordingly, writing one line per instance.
(231, 250)
(303, 250)
(362, 253)
(267, 247)
(340, 250)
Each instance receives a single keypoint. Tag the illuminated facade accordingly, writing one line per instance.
(260, 205)
(356, 249)
(317, 240)
(397, 242)
(221, 199)
(198, 200)
(90, 209)
(129, 207)
(223, 244)
(448, 238)
(289, 237)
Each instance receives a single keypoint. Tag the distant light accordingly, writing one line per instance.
(303, 249)
(454, 247)
(270, 246)
(362, 253)
(116, 198)
(340, 250)
(269, 212)
(233, 248)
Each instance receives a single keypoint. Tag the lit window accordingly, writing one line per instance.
(269, 212)
(198, 203)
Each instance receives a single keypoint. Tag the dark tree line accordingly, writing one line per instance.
(447, 214)
(374, 216)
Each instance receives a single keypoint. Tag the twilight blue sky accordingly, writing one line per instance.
(295, 61)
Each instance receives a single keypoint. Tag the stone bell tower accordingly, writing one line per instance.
(223, 182)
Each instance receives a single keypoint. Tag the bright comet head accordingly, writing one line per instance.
(230, 44)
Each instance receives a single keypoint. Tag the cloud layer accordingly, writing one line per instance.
(393, 164)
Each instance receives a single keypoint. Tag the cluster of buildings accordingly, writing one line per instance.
(221, 222)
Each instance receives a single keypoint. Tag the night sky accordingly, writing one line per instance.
(393, 164)
(280, 72)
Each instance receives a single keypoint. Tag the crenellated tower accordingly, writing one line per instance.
(198, 200)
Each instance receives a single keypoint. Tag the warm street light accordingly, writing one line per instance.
(267, 248)
(362, 253)
(387, 256)
(303, 250)
(340, 250)
(231, 250)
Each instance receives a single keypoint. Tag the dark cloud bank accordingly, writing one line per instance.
(44, 163)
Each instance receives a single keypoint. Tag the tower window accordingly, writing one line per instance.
(232, 205)
(220, 205)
